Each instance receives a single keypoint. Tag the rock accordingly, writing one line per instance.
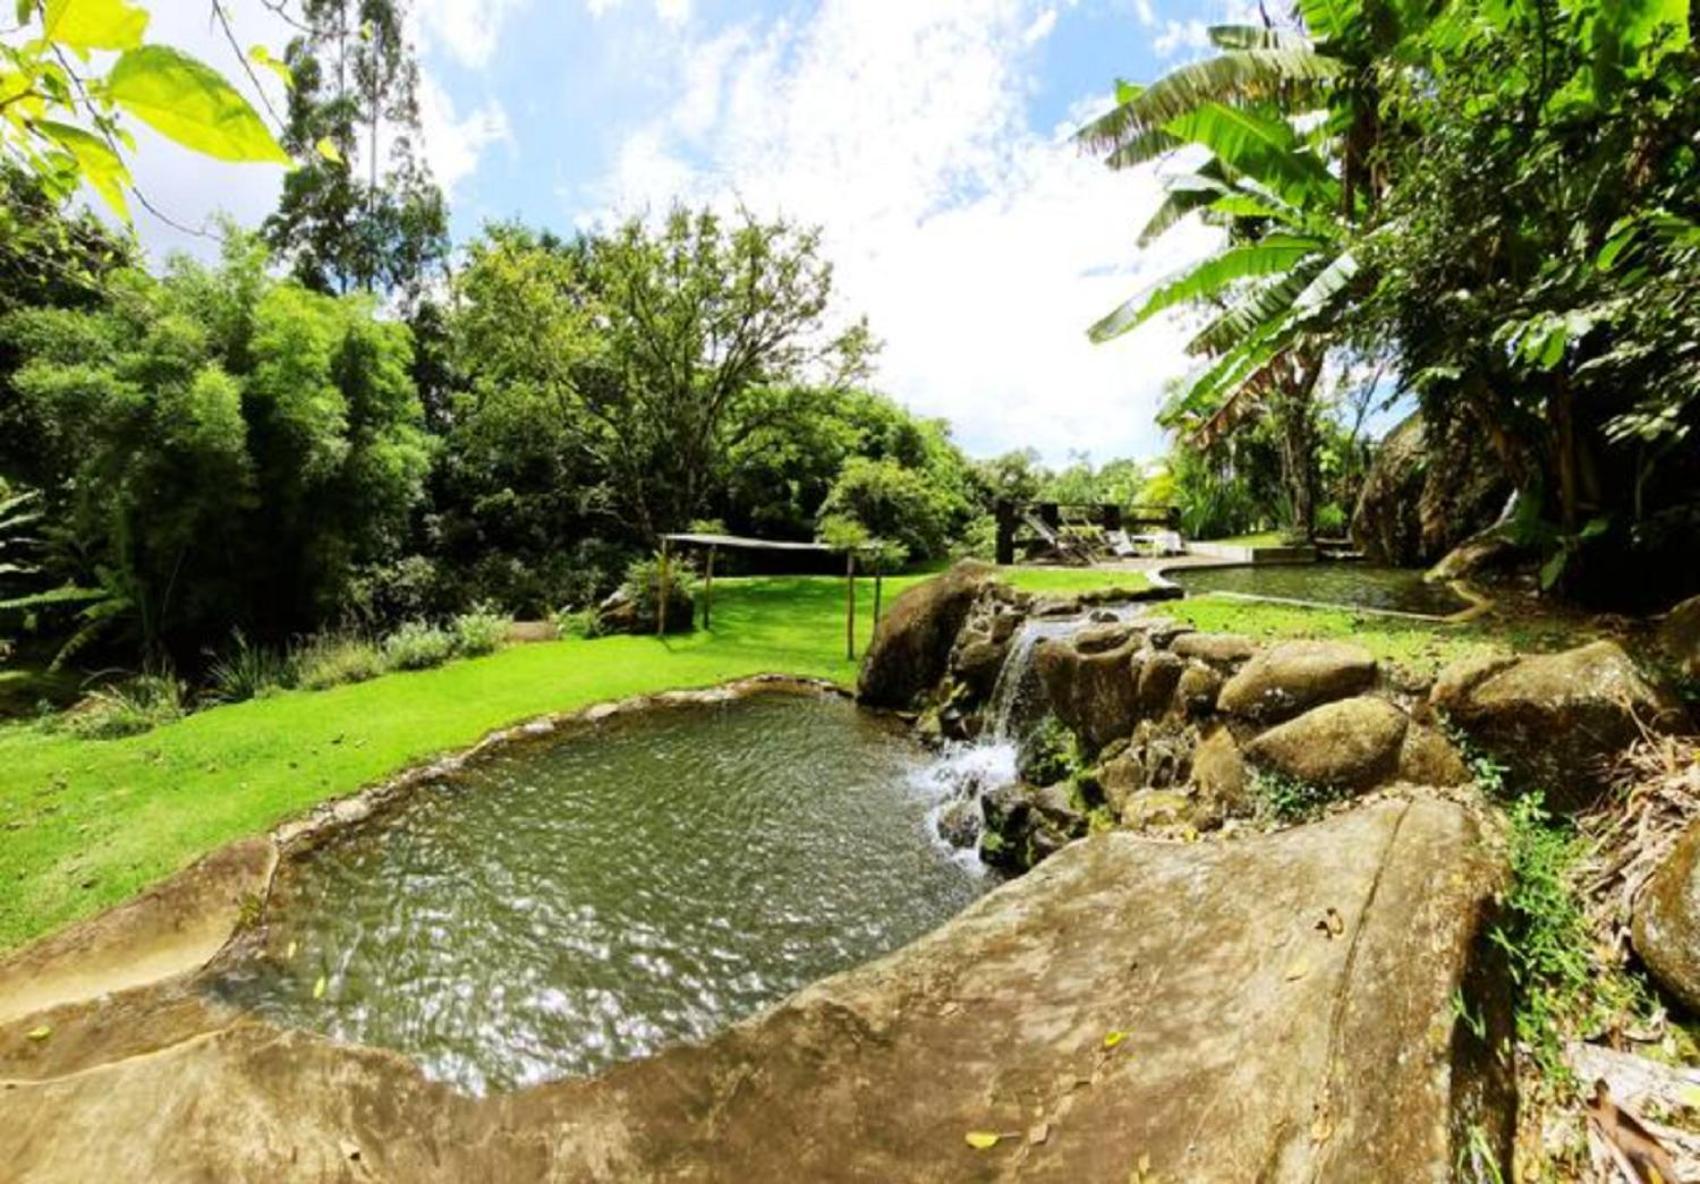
(1197, 691)
(1352, 744)
(620, 613)
(1429, 758)
(913, 640)
(1285, 680)
(1424, 496)
(1099, 639)
(1095, 694)
(1487, 554)
(1220, 776)
(976, 662)
(1259, 1046)
(1555, 720)
(1222, 650)
(1679, 637)
(1022, 826)
(958, 822)
(1158, 810)
(1159, 675)
(1667, 921)
(1163, 632)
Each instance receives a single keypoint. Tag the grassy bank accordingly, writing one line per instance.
(85, 823)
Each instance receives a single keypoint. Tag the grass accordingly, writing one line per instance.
(1416, 645)
(1064, 581)
(1266, 538)
(85, 824)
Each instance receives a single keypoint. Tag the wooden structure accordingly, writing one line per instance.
(711, 543)
(1044, 523)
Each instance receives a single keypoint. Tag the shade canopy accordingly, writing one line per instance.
(746, 542)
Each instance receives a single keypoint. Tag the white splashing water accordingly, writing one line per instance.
(965, 771)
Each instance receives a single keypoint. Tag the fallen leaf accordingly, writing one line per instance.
(1332, 923)
(1298, 970)
(319, 988)
(1639, 1155)
(290, 952)
(1038, 1133)
(1111, 1039)
(41, 1033)
(982, 1140)
(1690, 1096)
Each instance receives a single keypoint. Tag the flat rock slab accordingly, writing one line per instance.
(1285, 1005)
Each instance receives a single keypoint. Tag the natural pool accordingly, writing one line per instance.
(1347, 583)
(566, 904)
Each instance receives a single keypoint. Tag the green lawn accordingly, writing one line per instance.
(1267, 538)
(87, 823)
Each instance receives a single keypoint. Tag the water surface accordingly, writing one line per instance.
(572, 903)
(1346, 583)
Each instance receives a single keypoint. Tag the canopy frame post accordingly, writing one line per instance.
(661, 592)
(708, 590)
(850, 605)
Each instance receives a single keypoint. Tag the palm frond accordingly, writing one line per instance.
(1268, 256)
(1186, 194)
(1260, 306)
(1328, 284)
(1255, 37)
(1237, 76)
(1260, 146)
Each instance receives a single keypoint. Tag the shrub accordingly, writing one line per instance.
(577, 622)
(127, 709)
(331, 659)
(418, 645)
(643, 590)
(481, 631)
(1287, 799)
(249, 671)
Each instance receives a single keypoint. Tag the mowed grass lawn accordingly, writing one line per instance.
(86, 823)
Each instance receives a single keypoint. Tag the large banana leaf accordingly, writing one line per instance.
(1234, 77)
(1272, 255)
(1260, 146)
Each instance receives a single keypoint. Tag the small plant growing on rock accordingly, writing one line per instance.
(1287, 799)
(1050, 754)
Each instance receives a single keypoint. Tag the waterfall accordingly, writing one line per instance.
(964, 771)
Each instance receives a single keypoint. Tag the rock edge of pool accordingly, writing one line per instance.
(1129, 1001)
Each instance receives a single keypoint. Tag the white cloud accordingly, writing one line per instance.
(1179, 35)
(980, 248)
(1146, 14)
(466, 30)
(1040, 28)
(673, 13)
(454, 143)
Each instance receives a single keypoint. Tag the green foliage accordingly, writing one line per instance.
(417, 645)
(890, 501)
(217, 449)
(332, 659)
(1050, 754)
(483, 630)
(1287, 799)
(126, 709)
(354, 84)
(249, 671)
(64, 120)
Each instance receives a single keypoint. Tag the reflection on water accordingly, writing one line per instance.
(569, 904)
(1358, 585)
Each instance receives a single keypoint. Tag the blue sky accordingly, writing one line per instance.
(928, 138)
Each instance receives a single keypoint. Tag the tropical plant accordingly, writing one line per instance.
(417, 645)
(249, 671)
(127, 708)
(331, 659)
(483, 630)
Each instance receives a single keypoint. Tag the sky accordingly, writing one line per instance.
(929, 139)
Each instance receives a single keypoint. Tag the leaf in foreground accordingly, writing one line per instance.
(319, 988)
(982, 1140)
(41, 1033)
(191, 103)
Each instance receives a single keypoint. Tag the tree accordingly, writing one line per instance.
(215, 448)
(354, 98)
(891, 502)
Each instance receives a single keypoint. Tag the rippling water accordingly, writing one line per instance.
(1351, 584)
(572, 903)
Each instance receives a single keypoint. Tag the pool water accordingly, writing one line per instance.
(1346, 583)
(570, 903)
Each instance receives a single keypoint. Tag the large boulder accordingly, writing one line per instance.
(1667, 921)
(1220, 776)
(912, 642)
(1426, 492)
(1212, 1011)
(1679, 636)
(1554, 720)
(1352, 744)
(1282, 681)
(1095, 691)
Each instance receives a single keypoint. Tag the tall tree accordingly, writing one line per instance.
(360, 210)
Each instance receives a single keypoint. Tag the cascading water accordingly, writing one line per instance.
(965, 771)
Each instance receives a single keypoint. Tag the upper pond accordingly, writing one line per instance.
(1347, 583)
(569, 903)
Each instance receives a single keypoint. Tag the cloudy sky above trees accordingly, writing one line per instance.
(929, 138)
